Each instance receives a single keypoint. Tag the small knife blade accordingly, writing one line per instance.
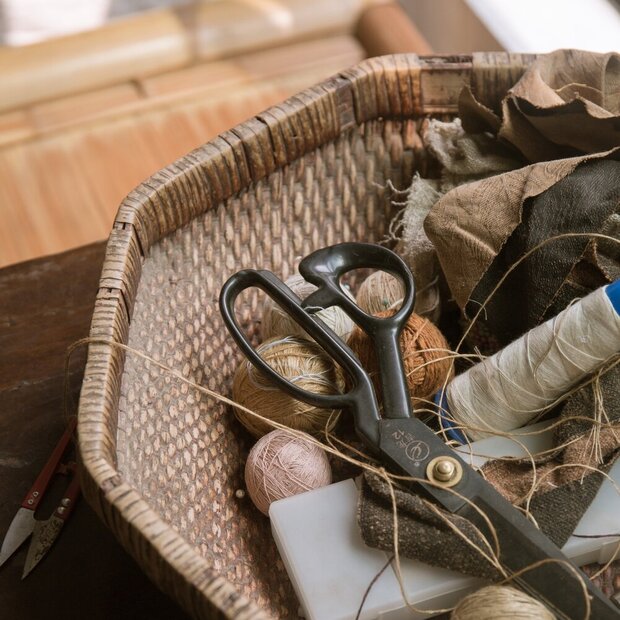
(21, 527)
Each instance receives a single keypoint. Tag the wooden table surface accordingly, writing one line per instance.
(45, 305)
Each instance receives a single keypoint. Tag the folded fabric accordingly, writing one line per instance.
(566, 104)
(480, 229)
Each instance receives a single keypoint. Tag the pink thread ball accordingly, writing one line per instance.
(282, 465)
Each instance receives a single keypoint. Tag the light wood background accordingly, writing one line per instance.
(86, 118)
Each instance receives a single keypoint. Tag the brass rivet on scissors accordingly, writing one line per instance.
(444, 471)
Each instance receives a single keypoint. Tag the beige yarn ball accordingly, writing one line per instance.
(302, 362)
(282, 465)
(275, 322)
(380, 291)
(500, 603)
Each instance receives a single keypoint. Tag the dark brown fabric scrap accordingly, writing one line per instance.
(421, 533)
(581, 202)
(470, 224)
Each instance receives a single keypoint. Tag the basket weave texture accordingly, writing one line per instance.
(162, 461)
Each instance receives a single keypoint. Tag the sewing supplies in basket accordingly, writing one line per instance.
(406, 443)
(316, 561)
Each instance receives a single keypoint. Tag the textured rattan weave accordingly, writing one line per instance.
(162, 462)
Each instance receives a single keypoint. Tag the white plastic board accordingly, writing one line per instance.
(331, 568)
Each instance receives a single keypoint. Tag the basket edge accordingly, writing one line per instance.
(400, 86)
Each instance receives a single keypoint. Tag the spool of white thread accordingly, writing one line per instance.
(277, 323)
(510, 388)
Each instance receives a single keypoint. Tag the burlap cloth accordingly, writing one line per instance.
(563, 117)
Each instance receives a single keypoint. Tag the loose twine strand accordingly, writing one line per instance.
(489, 552)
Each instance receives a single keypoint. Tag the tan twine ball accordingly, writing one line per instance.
(380, 291)
(282, 465)
(303, 363)
(425, 354)
(500, 603)
(275, 322)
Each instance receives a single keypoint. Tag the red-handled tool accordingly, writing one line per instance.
(46, 532)
(24, 522)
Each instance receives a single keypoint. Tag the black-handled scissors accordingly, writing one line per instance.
(403, 442)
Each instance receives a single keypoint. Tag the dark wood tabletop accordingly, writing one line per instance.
(45, 305)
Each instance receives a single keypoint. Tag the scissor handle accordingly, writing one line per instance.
(360, 398)
(325, 268)
(36, 492)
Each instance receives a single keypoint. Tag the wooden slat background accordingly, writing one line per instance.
(67, 162)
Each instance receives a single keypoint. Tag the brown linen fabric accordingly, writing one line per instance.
(581, 202)
(566, 104)
(470, 225)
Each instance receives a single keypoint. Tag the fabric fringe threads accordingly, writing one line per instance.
(500, 603)
(282, 465)
(507, 390)
(425, 351)
(275, 322)
(380, 291)
(303, 363)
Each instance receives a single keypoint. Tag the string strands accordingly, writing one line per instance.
(505, 393)
(330, 448)
(490, 553)
(500, 603)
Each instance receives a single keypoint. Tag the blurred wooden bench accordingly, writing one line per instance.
(85, 118)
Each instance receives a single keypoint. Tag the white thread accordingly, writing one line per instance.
(275, 322)
(510, 388)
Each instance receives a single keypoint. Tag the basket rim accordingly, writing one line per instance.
(390, 87)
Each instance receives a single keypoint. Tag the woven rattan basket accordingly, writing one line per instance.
(161, 461)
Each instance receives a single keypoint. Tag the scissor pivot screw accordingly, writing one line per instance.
(444, 471)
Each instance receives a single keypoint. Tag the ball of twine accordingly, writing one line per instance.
(282, 465)
(380, 291)
(275, 322)
(425, 354)
(303, 363)
(500, 603)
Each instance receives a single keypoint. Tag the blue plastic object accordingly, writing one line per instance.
(613, 292)
(445, 421)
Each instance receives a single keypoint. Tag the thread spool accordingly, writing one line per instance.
(275, 322)
(300, 361)
(510, 388)
(425, 354)
(380, 291)
(500, 603)
(282, 465)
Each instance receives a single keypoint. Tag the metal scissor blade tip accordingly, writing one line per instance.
(21, 527)
(43, 537)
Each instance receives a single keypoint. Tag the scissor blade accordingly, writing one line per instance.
(409, 445)
(43, 537)
(558, 583)
(21, 527)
